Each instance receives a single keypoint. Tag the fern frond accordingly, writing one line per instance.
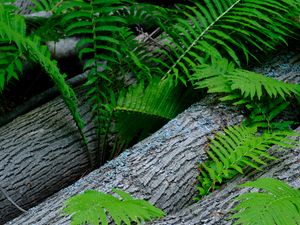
(225, 28)
(143, 16)
(278, 204)
(92, 207)
(147, 107)
(234, 150)
(221, 76)
(45, 5)
(10, 64)
(13, 29)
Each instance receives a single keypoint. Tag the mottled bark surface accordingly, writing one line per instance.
(40, 153)
(217, 207)
(162, 168)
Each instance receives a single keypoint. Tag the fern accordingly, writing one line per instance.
(46, 5)
(224, 28)
(147, 107)
(278, 204)
(10, 63)
(232, 152)
(92, 207)
(263, 96)
(13, 30)
(221, 76)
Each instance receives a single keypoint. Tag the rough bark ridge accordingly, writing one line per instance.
(217, 207)
(162, 167)
(40, 153)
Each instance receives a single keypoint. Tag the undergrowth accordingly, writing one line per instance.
(204, 44)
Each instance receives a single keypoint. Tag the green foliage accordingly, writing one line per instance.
(46, 5)
(278, 204)
(263, 96)
(222, 76)
(147, 107)
(17, 44)
(224, 28)
(234, 150)
(92, 207)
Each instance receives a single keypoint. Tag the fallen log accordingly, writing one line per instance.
(161, 168)
(217, 207)
(40, 153)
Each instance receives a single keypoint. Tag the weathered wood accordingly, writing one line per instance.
(162, 168)
(217, 207)
(40, 153)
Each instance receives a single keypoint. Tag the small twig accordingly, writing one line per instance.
(12, 201)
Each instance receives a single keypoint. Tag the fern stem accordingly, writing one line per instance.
(199, 37)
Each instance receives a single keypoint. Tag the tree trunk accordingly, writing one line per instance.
(217, 207)
(40, 153)
(162, 168)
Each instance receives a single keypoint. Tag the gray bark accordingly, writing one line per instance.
(162, 168)
(217, 207)
(40, 153)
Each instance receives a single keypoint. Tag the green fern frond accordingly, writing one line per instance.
(278, 204)
(92, 207)
(234, 150)
(263, 96)
(225, 28)
(13, 29)
(45, 5)
(147, 107)
(10, 64)
(263, 115)
(143, 16)
(221, 76)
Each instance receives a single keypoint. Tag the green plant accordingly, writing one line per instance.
(92, 207)
(147, 106)
(278, 204)
(234, 150)
(18, 45)
(263, 96)
(223, 77)
(224, 28)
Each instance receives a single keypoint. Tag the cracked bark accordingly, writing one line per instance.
(162, 168)
(40, 153)
(216, 208)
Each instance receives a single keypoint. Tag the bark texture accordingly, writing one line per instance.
(40, 153)
(217, 208)
(161, 168)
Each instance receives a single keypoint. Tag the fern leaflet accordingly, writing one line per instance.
(92, 206)
(231, 152)
(224, 28)
(278, 204)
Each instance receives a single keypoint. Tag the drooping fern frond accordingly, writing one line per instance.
(224, 28)
(10, 63)
(13, 30)
(92, 208)
(221, 76)
(234, 150)
(278, 204)
(146, 107)
(264, 97)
